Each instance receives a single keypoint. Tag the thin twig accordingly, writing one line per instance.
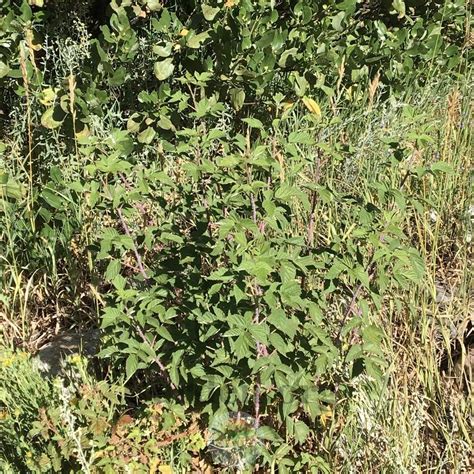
(347, 312)
(261, 348)
(135, 250)
(310, 240)
(141, 268)
(156, 359)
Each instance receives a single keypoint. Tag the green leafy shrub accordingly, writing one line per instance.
(76, 425)
(193, 174)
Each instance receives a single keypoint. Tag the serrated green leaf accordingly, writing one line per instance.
(113, 269)
(131, 365)
(280, 321)
(355, 352)
(110, 317)
(242, 346)
(164, 333)
(301, 431)
(278, 343)
(259, 332)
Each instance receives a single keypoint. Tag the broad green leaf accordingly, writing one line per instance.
(53, 199)
(268, 434)
(355, 352)
(261, 270)
(242, 346)
(11, 189)
(131, 365)
(372, 334)
(337, 268)
(196, 41)
(146, 136)
(26, 11)
(400, 7)
(154, 5)
(284, 192)
(301, 431)
(229, 162)
(165, 123)
(442, 167)
(164, 333)
(163, 69)
(163, 51)
(50, 119)
(253, 122)
(337, 21)
(289, 53)
(278, 343)
(280, 321)
(209, 12)
(110, 317)
(360, 273)
(133, 125)
(172, 237)
(259, 332)
(303, 138)
(4, 69)
(238, 98)
(301, 85)
(113, 269)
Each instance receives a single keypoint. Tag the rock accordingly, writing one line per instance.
(51, 356)
(443, 293)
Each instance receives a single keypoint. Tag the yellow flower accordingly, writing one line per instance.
(183, 32)
(75, 359)
(325, 416)
(7, 361)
